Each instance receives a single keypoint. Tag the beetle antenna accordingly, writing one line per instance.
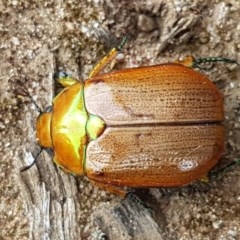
(23, 169)
(26, 93)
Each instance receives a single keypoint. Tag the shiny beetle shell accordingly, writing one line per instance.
(163, 126)
(157, 126)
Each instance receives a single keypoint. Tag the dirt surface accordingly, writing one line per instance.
(40, 38)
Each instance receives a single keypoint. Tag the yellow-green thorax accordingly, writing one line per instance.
(69, 128)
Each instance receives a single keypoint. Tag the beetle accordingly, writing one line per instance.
(154, 126)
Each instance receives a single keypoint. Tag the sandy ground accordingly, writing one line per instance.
(39, 38)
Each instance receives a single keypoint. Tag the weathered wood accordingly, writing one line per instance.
(129, 219)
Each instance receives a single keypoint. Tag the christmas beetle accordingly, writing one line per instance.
(155, 126)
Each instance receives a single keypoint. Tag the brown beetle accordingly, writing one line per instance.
(155, 126)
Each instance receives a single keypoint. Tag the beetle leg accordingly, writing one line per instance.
(110, 188)
(196, 62)
(66, 80)
(204, 178)
(187, 61)
(225, 169)
(191, 62)
(107, 59)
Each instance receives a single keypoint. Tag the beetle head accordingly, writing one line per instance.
(43, 128)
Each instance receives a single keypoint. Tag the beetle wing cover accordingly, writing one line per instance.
(167, 93)
(162, 126)
(158, 156)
